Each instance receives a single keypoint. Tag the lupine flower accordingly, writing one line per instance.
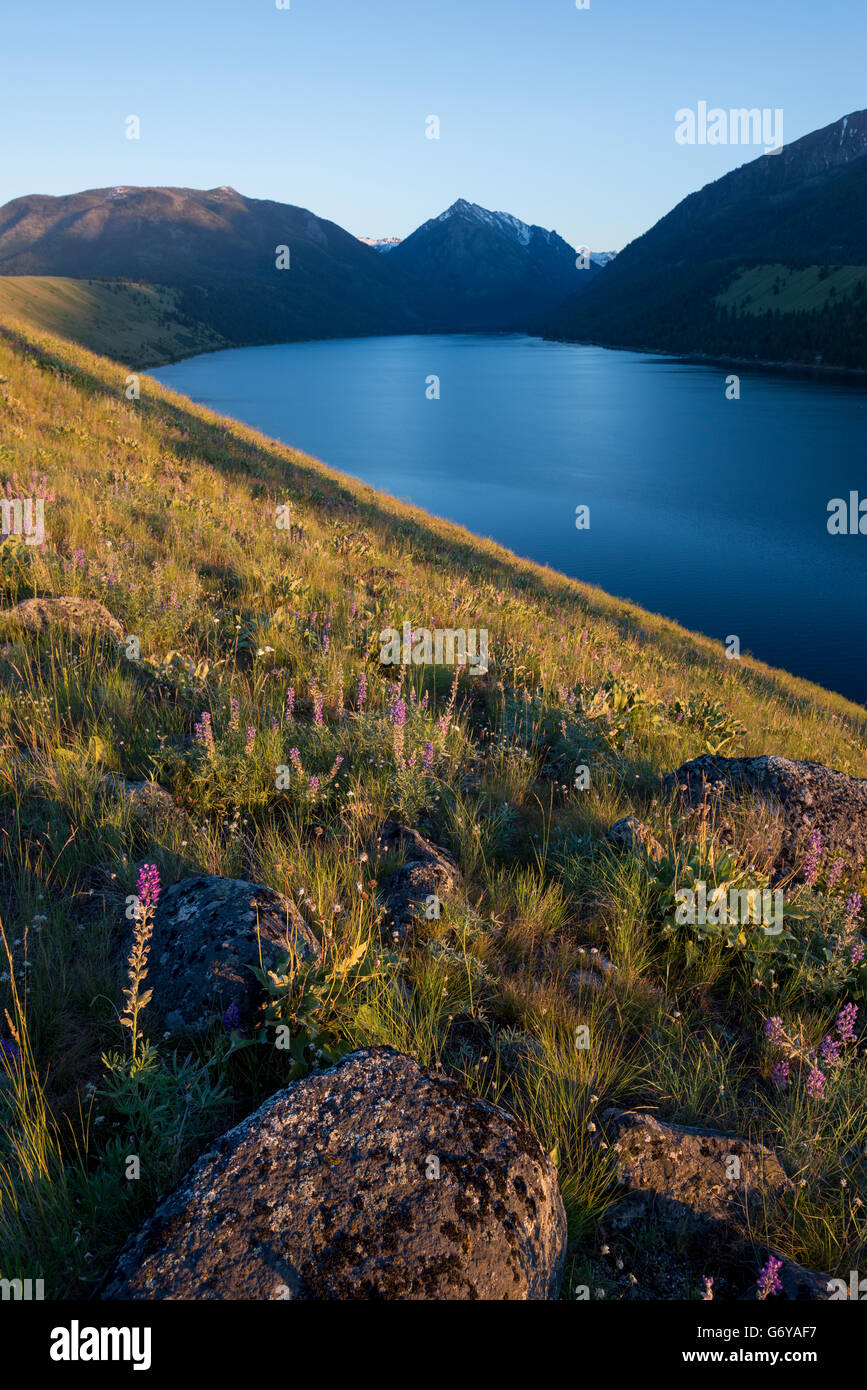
(835, 873)
(427, 757)
(856, 955)
(816, 1084)
(768, 1281)
(232, 1017)
(251, 739)
(707, 1294)
(814, 858)
(326, 639)
(780, 1074)
(205, 732)
(314, 785)
(290, 703)
(335, 768)
(235, 720)
(829, 1051)
(272, 724)
(318, 702)
(148, 885)
(774, 1031)
(853, 907)
(295, 759)
(353, 610)
(361, 693)
(398, 719)
(845, 1025)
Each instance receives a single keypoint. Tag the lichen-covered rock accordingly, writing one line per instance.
(372, 1180)
(151, 805)
(693, 1175)
(207, 933)
(427, 872)
(83, 615)
(809, 796)
(633, 835)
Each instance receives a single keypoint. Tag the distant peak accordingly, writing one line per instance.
(502, 221)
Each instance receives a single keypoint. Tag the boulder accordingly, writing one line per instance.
(809, 797)
(208, 931)
(427, 871)
(375, 1179)
(82, 615)
(633, 835)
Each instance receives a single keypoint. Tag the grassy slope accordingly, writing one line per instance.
(798, 290)
(166, 513)
(137, 323)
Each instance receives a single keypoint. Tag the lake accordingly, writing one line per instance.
(710, 511)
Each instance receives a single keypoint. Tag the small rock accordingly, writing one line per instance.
(83, 615)
(685, 1170)
(330, 1191)
(207, 933)
(428, 871)
(633, 835)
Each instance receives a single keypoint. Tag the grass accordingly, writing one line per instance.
(168, 515)
(137, 322)
(790, 290)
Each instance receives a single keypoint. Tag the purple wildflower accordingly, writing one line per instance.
(326, 639)
(816, 1084)
(148, 885)
(318, 702)
(768, 1281)
(295, 759)
(829, 1051)
(780, 1074)
(232, 1018)
(427, 757)
(235, 720)
(398, 714)
(853, 907)
(314, 785)
(814, 859)
(361, 692)
(290, 702)
(251, 739)
(707, 1293)
(353, 610)
(845, 1025)
(774, 1031)
(835, 873)
(207, 731)
(856, 955)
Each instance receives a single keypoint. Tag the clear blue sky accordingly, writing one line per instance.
(561, 116)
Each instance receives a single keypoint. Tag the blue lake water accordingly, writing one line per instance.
(711, 511)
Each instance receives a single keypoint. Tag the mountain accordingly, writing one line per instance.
(217, 250)
(769, 261)
(488, 270)
(382, 243)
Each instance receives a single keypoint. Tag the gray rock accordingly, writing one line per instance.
(427, 871)
(151, 805)
(325, 1193)
(207, 933)
(809, 796)
(684, 1171)
(82, 615)
(633, 835)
